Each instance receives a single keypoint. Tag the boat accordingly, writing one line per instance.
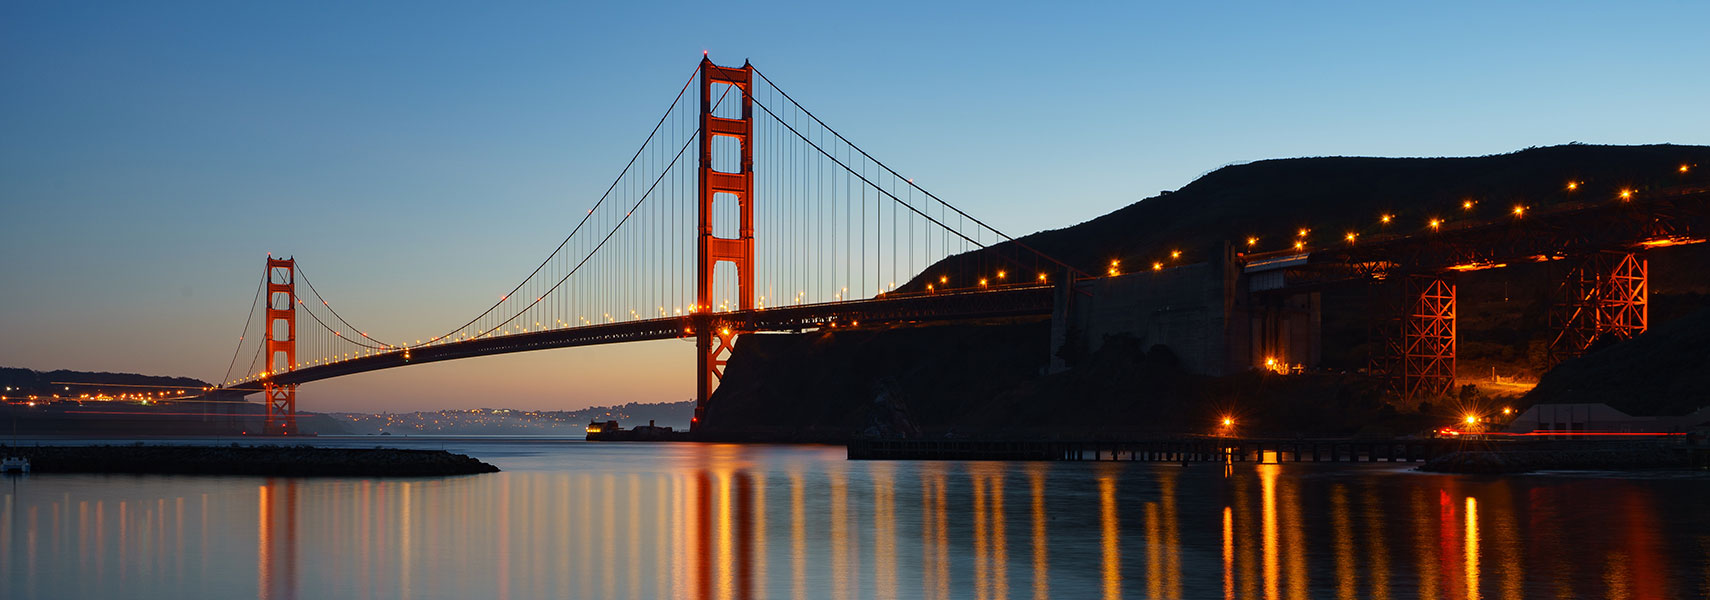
(15, 463)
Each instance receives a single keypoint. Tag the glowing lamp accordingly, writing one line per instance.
(1157, 266)
(1384, 219)
(1466, 204)
(1626, 194)
(1436, 224)
(1252, 241)
(1228, 421)
(1572, 185)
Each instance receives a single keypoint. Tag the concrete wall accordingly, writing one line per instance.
(1201, 311)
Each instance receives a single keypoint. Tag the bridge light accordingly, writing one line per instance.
(1685, 168)
(1001, 274)
(1572, 185)
(1302, 233)
(928, 287)
(1351, 235)
(1519, 210)
(1157, 266)
(1228, 422)
(1385, 219)
(1626, 194)
(1042, 277)
(1252, 241)
(1299, 245)
(982, 282)
(941, 279)
(1436, 224)
(1466, 204)
(1175, 254)
(1470, 420)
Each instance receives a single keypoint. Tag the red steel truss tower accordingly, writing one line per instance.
(281, 345)
(714, 340)
(1605, 296)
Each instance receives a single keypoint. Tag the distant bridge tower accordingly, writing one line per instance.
(281, 345)
(714, 340)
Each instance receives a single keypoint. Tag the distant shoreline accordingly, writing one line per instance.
(237, 459)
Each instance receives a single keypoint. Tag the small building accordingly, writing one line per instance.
(604, 427)
(1597, 419)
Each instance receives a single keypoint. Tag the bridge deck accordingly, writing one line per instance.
(1001, 302)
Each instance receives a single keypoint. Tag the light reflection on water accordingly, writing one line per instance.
(722, 521)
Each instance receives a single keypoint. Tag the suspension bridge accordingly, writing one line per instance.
(742, 212)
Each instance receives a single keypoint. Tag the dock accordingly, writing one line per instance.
(1180, 450)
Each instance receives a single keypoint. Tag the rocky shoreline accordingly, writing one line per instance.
(1589, 456)
(265, 460)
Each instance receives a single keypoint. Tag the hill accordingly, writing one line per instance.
(956, 378)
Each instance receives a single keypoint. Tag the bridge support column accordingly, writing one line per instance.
(714, 341)
(1605, 296)
(1418, 356)
(281, 346)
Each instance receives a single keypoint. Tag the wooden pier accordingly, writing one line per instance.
(1185, 450)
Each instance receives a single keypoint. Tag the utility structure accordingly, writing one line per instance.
(1604, 296)
(715, 339)
(281, 346)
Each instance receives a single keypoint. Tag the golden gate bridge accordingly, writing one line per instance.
(777, 222)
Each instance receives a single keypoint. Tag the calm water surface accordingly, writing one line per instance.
(580, 520)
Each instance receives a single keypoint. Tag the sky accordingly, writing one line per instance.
(420, 157)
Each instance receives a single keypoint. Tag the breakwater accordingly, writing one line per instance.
(235, 459)
(1593, 456)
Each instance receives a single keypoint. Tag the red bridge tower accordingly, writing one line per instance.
(714, 339)
(281, 346)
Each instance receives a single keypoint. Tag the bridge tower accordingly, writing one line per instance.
(1418, 352)
(281, 345)
(715, 339)
(1605, 296)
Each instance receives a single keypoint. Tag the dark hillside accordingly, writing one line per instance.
(1272, 199)
(1664, 372)
(791, 383)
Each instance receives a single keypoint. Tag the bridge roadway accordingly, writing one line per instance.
(998, 302)
(1661, 218)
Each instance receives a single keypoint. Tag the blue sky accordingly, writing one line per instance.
(420, 157)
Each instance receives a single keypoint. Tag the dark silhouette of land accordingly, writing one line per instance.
(989, 379)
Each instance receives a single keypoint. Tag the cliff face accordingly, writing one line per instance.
(829, 384)
(987, 379)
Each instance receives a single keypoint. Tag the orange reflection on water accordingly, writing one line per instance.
(1377, 548)
(1472, 549)
(1041, 548)
(1111, 538)
(842, 583)
(1268, 512)
(1228, 553)
(884, 533)
(1346, 578)
(1154, 553)
(798, 538)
